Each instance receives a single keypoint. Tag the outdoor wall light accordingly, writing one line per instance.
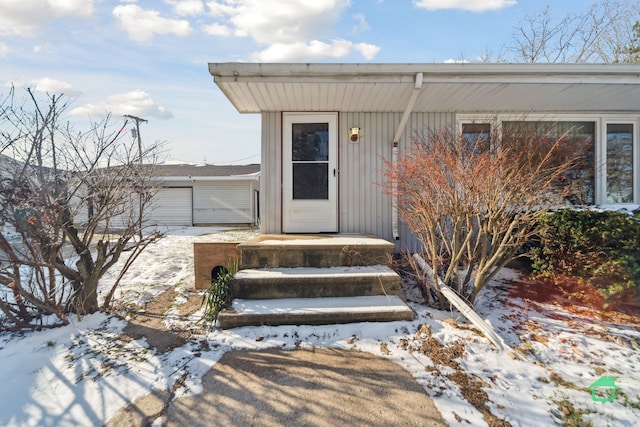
(354, 134)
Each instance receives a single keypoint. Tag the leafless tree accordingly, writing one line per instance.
(599, 35)
(72, 204)
(473, 204)
(631, 53)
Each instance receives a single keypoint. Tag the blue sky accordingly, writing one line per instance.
(149, 57)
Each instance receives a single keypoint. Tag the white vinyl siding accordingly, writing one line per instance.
(364, 205)
(270, 174)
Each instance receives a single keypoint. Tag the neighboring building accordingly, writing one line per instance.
(326, 129)
(187, 195)
(8, 166)
(206, 194)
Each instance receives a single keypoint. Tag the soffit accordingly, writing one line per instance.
(255, 88)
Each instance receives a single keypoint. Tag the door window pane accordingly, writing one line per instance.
(620, 163)
(310, 161)
(310, 142)
(310, 181)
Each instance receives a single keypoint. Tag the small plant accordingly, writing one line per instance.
(218, 295)
(571, 415)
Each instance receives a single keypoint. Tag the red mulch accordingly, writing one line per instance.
(578, 297)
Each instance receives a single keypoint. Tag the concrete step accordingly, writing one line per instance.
(314, 311)
(269, 251)
(313, 282)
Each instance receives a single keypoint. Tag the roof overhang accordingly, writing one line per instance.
(462, 88)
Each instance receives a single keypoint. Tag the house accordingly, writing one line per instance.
(206, 194)
(326, 129)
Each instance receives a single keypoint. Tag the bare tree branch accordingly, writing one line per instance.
(72, 204)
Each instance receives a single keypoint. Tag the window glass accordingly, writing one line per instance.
(310, 142)
(477, 134)
(576, 143)
(310, 161)
(620, 163)
(310, 181)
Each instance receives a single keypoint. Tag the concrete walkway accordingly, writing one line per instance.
(321, 387)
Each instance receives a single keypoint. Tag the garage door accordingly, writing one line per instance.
(223, 202)
(172, 206)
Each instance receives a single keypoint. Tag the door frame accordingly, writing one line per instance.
(330, 222)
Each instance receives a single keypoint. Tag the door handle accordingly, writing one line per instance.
(334, 173)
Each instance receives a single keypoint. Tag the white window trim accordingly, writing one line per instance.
(600, 120)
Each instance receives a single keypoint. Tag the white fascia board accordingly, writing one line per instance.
(399, 73)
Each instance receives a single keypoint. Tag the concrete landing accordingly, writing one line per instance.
(276, 250)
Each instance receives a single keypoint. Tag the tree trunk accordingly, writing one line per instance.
(86, 299)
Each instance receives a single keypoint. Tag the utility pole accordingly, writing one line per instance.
(137, 120)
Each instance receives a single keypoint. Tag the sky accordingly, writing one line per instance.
(148, 58)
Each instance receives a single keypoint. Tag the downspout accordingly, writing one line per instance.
(394, 154)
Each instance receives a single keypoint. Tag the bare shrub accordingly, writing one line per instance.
(474, 203)
(72, 204)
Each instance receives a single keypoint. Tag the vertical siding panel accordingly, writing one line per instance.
(270, 195)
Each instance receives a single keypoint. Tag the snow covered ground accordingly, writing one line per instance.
(83, 373)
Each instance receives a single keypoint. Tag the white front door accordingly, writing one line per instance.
(310, 142)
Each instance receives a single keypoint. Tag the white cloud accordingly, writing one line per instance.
(135, 102)
(142, 25)
(187, 7)
(53, 86)
(361, 23)
(291, 29)
(81, 8)
(4, 50)
(216, 29)
(24, 18)
(286, 21)
(368, 51)
(471, 5)
(314, 49)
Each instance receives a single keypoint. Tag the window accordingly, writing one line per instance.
(605, 149)
(619, 152)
